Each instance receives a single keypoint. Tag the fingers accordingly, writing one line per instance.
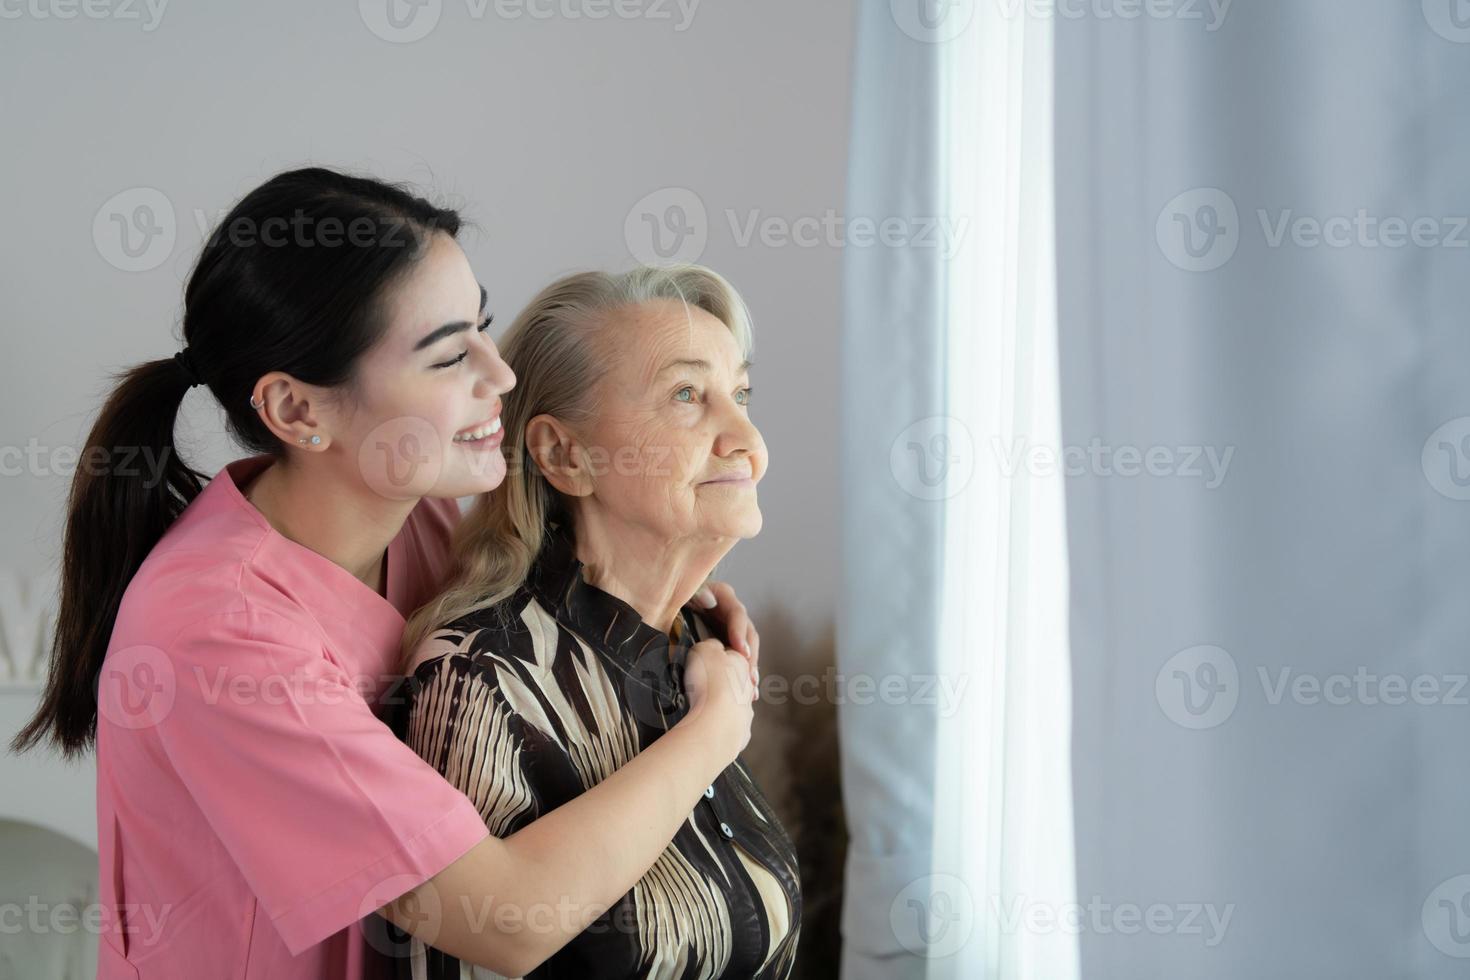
(743, 637)
(737, 620)
(753, 641)
(752, 655)
(729, 659)
(740, 676)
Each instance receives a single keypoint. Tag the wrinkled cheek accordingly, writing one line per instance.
(681, 508)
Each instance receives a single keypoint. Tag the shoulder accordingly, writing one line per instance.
(195, 592)
(477, 637)
(246, 633)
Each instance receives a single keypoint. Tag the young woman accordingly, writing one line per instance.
(229, 648)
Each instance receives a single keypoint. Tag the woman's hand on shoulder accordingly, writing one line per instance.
(719, 599)
(717, 680)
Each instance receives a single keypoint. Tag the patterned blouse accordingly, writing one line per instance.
(537, 699)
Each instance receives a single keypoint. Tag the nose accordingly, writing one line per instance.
(495, 375)
(737, 434)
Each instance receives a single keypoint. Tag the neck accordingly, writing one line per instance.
(340, 519)
(654, 575)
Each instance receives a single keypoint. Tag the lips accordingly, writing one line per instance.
(743, 477)
(479, 430)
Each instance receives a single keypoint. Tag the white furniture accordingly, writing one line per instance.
(48, 819)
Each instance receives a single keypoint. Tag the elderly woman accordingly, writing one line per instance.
(557, 653)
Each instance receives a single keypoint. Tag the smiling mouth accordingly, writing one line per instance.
(481, 431)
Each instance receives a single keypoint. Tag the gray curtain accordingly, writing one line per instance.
(1262, 250)
(892, 372)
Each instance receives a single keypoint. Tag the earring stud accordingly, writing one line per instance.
(315, 440)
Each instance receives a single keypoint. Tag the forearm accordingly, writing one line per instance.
(620, 827)
(515, 902)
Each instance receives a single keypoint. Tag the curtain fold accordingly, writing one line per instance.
(1004, 812)
(889, 606)
(958, 805)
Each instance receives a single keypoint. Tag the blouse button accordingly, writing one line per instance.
(725, 829)
(709, 791)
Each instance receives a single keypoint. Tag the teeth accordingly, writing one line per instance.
(488, 430)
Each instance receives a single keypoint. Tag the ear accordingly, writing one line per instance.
(289, 410)
(558, 455)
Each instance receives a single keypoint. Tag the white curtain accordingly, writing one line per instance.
(1003, 804)
(959, 810)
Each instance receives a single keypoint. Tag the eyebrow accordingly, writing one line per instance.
(449, 329)
(697, 364)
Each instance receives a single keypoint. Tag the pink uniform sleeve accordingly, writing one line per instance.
(325, 812)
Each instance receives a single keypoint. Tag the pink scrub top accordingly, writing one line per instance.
(252, 807)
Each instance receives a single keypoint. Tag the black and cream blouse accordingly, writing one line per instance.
(543, 696)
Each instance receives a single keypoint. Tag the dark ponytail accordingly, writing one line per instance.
(293, 279)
